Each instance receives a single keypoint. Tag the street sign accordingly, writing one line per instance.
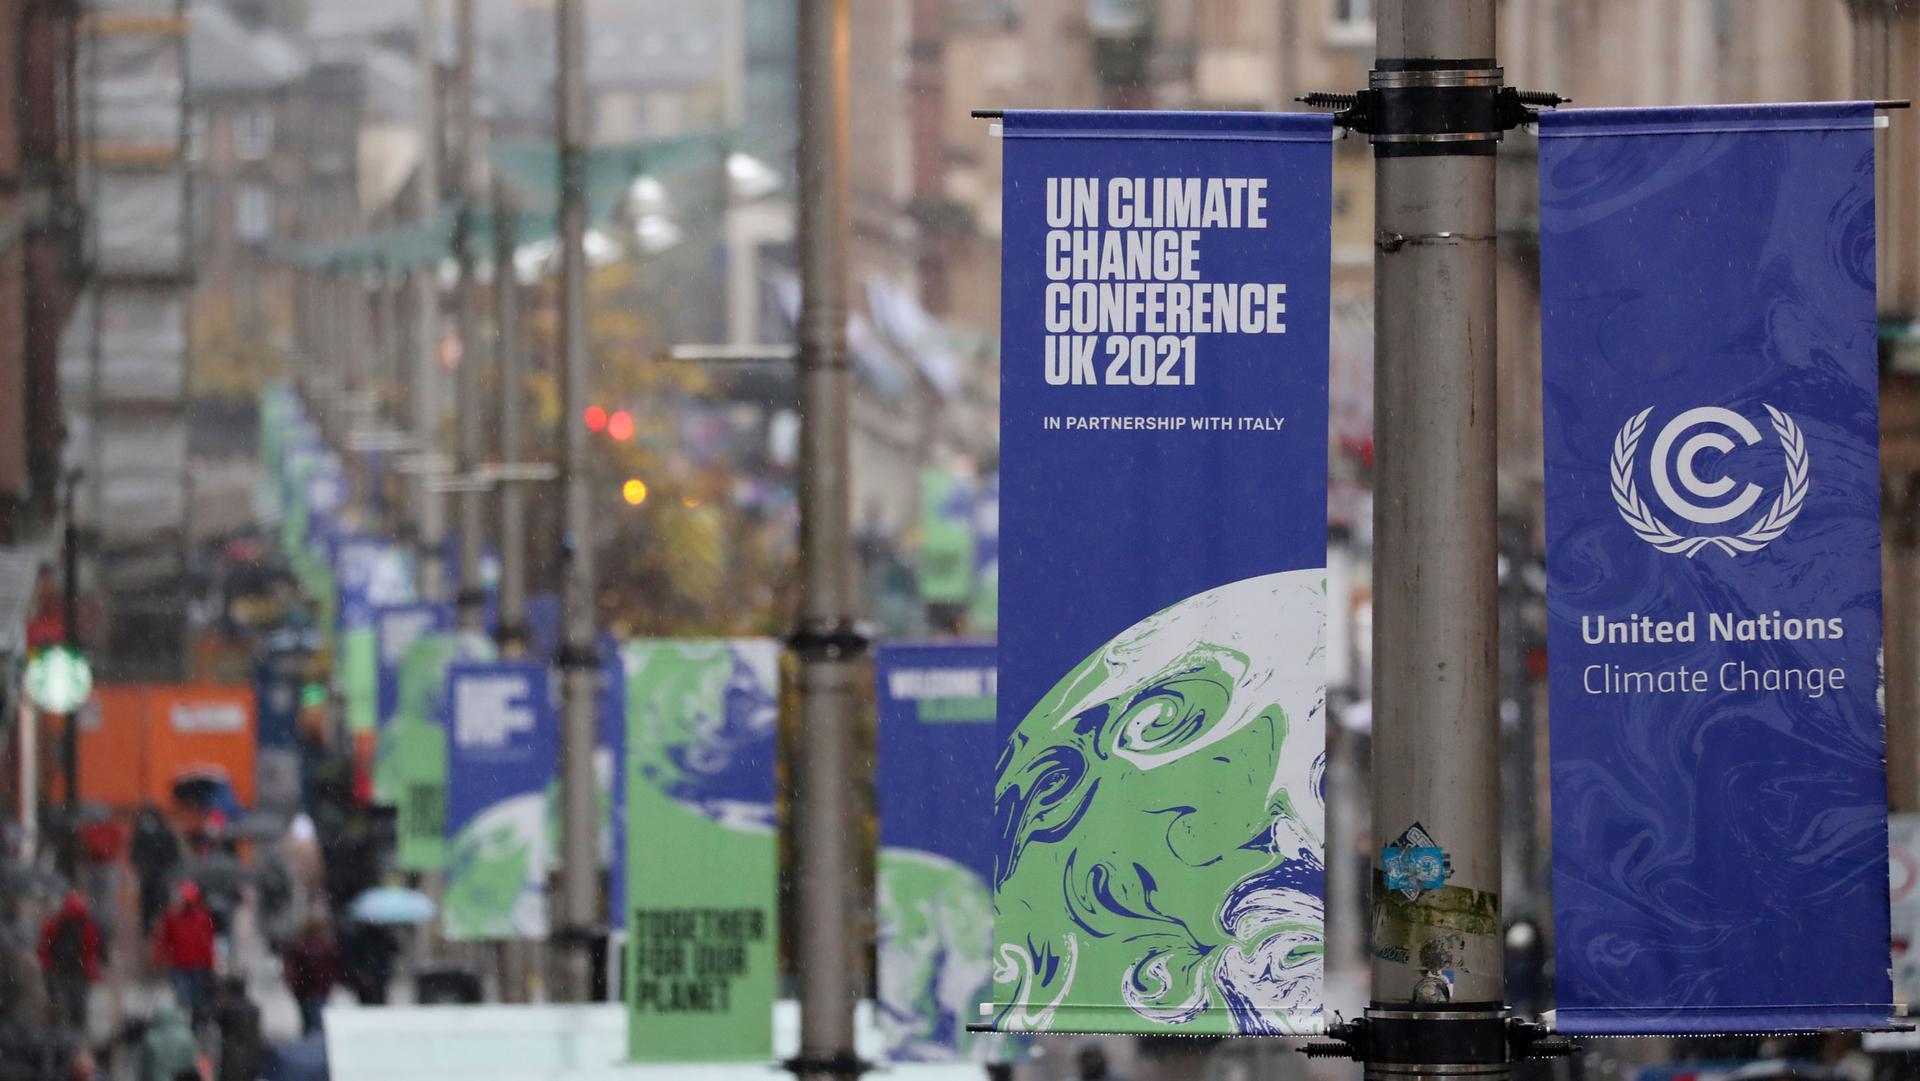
(58, 679)
(1713, 556)
(1163, 494)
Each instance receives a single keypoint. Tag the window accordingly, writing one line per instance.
(253, 134)
(253, 214)
(1352, 21)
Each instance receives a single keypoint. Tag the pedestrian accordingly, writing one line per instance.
(242, 1051)
(103, 841)
(154, 853)
(183, 947)
(1090, 1064)
(70, 960)
(366, 959)
(312, 966)
(167, 1050)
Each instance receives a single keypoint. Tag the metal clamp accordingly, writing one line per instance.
(1424, 108)
(1463, 1041)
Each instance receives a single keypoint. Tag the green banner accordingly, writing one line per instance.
(356, 674)
(410, 760)
(946, 538)
(702, 910)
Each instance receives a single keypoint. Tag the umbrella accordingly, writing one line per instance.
(304, 1059)
(198, 785)
(391, 905)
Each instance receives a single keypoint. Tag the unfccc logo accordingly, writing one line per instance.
(1676, 480)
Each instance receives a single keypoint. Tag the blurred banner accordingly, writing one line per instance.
(395, 627)
(410, 760)
(610, 774)
(501, 756)
(1164, 488)
(702, 919)
(1713, 531)
(935, 782)
(369, 572)
(946, 537)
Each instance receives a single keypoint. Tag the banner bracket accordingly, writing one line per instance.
(1467, 1038)
(1434, 107)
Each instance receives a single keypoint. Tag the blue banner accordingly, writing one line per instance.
(395, 628)
(935, 788)
(502, 748)
(1163, 494)
(1713, 553)
(369, 571)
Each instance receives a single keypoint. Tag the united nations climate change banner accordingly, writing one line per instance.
(501, 755)
(702, 917)
(937, 748)
(1163, 497)
(1713, 528)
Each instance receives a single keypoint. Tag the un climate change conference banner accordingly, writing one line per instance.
(937, 748)
(1713, 528)
(1163, 497)
(702, 917)
(502, 746)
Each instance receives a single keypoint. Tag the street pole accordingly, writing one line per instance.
(1437, 990)
(580, 916)
(468, 416)
(431, 529)
(70, 635)
(512, 628)
(831, 654)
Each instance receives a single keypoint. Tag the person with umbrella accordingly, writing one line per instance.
(70, 960)
(183, 947)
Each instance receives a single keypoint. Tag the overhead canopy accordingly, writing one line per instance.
(531, 171)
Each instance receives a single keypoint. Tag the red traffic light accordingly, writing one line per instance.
(620, 425)
(596, 418)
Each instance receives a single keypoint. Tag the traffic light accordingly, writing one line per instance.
(596, 418)
(634, 491)
(620, 425)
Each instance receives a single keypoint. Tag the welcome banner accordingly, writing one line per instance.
(1713, 532)
(702, 917)
(1163, 495)
(502, 749)
(937, 748)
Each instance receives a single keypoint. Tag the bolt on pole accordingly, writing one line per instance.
(831, 654)
(469, 417)
(580, 915)
(1437, 984)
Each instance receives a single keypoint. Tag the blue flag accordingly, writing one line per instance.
(1713, 529)
(502, 748)
(937, 748)
(1163, 492)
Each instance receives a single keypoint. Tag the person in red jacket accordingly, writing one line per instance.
(70, 960)
(183, 946)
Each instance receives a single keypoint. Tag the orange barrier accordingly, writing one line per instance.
(142, 736)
